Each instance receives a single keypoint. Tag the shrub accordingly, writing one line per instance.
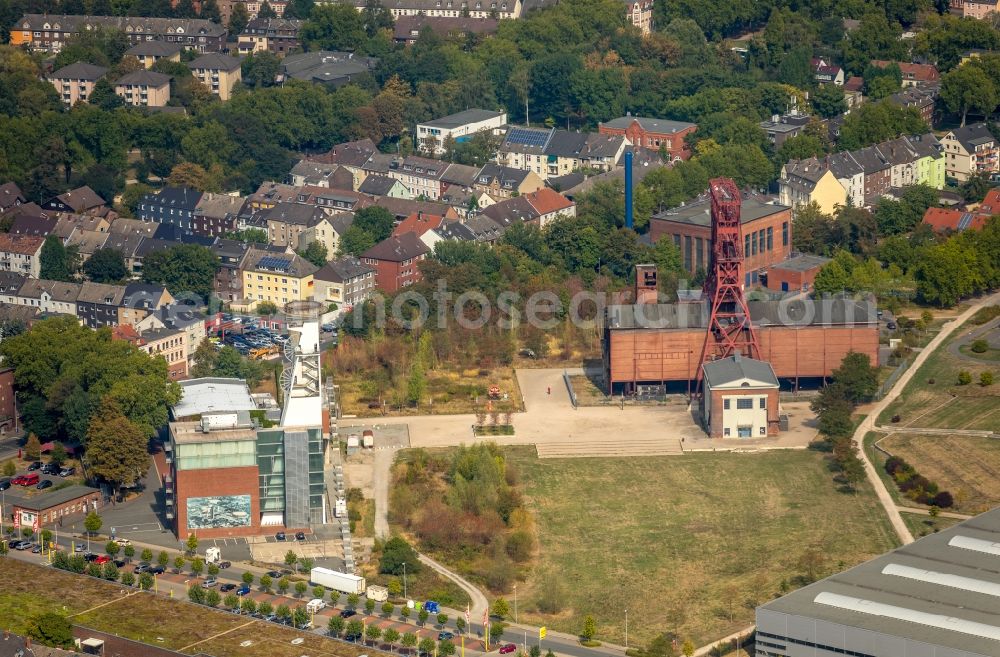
(986, 379)
(964, 378)
(979, 346)
(944, 500)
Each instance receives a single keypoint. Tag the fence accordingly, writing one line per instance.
(569, 389)
(891, 381)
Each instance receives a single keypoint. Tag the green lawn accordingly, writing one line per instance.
(690, 543)
(943, 403)
(922, 525)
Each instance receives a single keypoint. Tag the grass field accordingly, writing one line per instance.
(922, 525)
(967, 466)
(943, 403)
(687, 543)
(29, 589)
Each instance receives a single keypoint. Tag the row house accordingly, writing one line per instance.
(141, 299)
(49, 296)
(180, 317)
(228, 281)
(421, 176)
(353, 156)
(276, 35)
(82, 200)
(150, 52)
(28, 225)
(286, 221)
(396, 261)
(21, 254)
(269, 194)
(98, 304)
(449, 231)
(922, 98)
(379, 185)
(321, 174)
(216, 215)
(171, 205)
(11, 196)
(408, 28)
(970, 151)
(252, 8)
(657, 135)
(218, 72)
(550, 152)
(328, 231)
(74, 83)
(49, 32)
(346, 282)
(499, 9)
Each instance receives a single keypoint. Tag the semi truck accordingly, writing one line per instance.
(343, 582)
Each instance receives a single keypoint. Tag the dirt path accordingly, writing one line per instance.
(479, 602)
(382, 473)
(869, 422)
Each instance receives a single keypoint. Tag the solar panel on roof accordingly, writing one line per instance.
(964, 222)
(271, 262)
(526, 137)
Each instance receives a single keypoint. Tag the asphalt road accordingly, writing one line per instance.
(176, 585)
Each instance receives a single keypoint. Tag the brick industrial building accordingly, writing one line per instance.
(652, 134)
(767, 234)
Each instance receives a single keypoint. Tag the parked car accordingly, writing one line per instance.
(4, 484)
(67, 472)
(282, 339)
(37, 465)
(123, 542)
(27, 479)
(432, 607)
(507, 648)
(445, 636)
(21, 545)
(141, 568)
(347, 613)
(243, 590)
(79, 547)
(226, 588)
(328, 328)
(90, 557)
(300, 536)
(209, 583)
(102, 559)
(45, 483)
(36, 548)
(274, 574)
(119, 563)
(225, 564)
(280, 536)
(50, 469)
(157, 570)
(891, 325)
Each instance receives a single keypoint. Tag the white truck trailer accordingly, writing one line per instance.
(343, 582)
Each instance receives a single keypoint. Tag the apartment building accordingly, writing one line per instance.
(970, 151)
(279, 279)
(346, 282)
(500, 9)
(277, 35)
(76, 82)
(652, 134)
(150, 52)
(144, 88)
(50, 32)
(21, 254)
(220, 73)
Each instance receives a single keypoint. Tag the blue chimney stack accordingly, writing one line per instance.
(628, 189)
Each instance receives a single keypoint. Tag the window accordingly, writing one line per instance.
(763, 431)
(725, 432)
(725, 403)
(770, 238)
(763, 402)
(784, 233)
(744, 403)
(746, 245)
(760, 241)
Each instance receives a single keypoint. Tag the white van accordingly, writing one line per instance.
(315, 605)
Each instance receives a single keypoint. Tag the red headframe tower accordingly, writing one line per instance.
(729, 328)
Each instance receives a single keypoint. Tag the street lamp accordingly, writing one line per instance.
(626, 628)
(515, 603)
(404, 581)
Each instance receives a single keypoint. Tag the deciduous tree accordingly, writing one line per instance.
(117, 449)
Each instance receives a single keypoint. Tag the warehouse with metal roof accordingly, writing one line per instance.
(937, 597)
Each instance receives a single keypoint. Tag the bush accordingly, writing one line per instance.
(519, 546)
(964, 378)
(980, 346)
(986, 379)
(944, 500)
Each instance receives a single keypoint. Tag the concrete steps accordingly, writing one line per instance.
(582, 449)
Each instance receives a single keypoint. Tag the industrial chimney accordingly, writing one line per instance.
(628, 189)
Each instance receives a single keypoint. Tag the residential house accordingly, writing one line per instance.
(252, 8)
(640, 14)
(171, 205)
(914, 75)
(660, 135)
(943, 220)
(782, 127)
(499, 9)
(328, 231)
(321, 174)
(126, 226)
(79, 200)
(49, 296)
(278, 279)
(550, 204)
(128, 245)
(21, 253)
(501, 182)
(87, 242)
(218, 72)
(286, 221)
(433, 135)
(396, 261)
(483, 228)
(825, 73)
(181, 317)
(977, 8)
(970, 151)
(421, 176)
(27, 225)
(408, 28)
(346, 282)
(512, 211)
(333, 69)
(810, 181)
(98, 304)
(228, 282)
(67, 223)
(450, 231)
(418, 223)
(140, 300)
(333, 201)
(269, 194)
(11, 196)
(551, 152)
(10, 283)
(216, 214)
(50, 32)
(377, 185)
(150, 52)
(144, 88)
(922, 98)
(171, 344)
(277, 35)
(353, 156)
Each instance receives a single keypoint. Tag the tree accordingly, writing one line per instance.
(146, 581)
(291, 558)
(9, 468)
(305, 564)
(129, 552)
(266, 11)
(52, 629)
(260, 69)
(446, 648)
(283, 585)
(116, 447)
(319, 592)
(408, 640)
(688, 647)
(110, 572)
(183, 269)
(589, 628)
(247, 578)
(238, 18)
(58, 455)
(423, 615)
(369, 606)
(163, 559)
(442, 619)
(391, 636)
(387, 608)
(196, 594)
(857, 376)
(283, 612)
(315, 253)
(968, 88)
(212, 598)
(93, 522)
(265, 583)
(231, 601)
(193, 176)
(179, 562)
(106, 266)
(986, 379)
(32, 448)
(352, 600)
(460, 624)
(336, 625)
(56, 262)
(128, 579)
(373, 632)
(333, 27)
(197, 566)
(501, 609)
(300, 588)
(375, 221)
(300, 617)
(426, 646)
(355, 630)
(213, 569)
(111, 548)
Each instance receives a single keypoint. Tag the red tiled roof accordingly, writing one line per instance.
(546, 201)
(854, 83)
(126, 333)
(418, 223)
(941, 219)
(22, 244)
(918, 72)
